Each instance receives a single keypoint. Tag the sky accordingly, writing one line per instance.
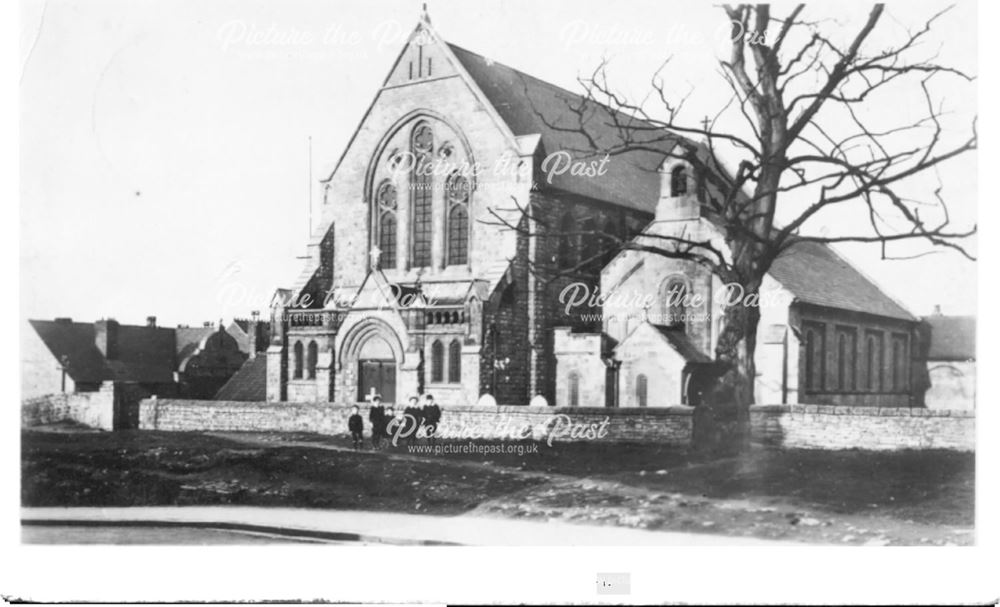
(165, 146)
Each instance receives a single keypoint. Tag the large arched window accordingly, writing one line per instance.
(421, 195)
(641, 390)
(454, 362)
(297, 361)
(312, 354)
(437, 362)
(385, 213)
(457, 201)
(678, 180)
(574, 389)
(674, 295)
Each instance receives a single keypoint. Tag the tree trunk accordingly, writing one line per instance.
(722, 425)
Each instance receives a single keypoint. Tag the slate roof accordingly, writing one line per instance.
(679, 340)
(814, 273)
(247, 384)
(531, 106)
(145, 354)
(189, 340)
(952, 337)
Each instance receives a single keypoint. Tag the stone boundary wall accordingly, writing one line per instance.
(664, 425)
(782, 426)
(94, 409)
(838, 427)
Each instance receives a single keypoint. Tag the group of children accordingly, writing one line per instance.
(386, 422)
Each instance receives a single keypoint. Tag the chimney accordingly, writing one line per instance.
(253, 330)
(937, 310)
(106, 337)
(151, 322)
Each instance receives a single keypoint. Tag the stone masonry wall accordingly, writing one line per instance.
(671, 425)
(783, 426)
(886, 428)
(94, 409)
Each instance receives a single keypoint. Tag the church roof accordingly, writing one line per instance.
(532, 106)
(145, 354)
(679, 340)
(247, 384)
(814, 273)
(952, 337)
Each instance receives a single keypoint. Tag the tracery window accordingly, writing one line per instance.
(385, 209)
(457, 197)
(422, 183)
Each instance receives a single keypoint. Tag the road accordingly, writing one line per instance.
(239, 525)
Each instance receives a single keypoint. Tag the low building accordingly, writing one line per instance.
(951, 361)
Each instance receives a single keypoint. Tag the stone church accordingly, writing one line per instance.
(430, 270)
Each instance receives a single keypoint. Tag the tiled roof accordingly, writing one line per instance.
(145, 354)
(814, 273)
(247, 384)
(532, 106)
(952, 337)
(682, 343)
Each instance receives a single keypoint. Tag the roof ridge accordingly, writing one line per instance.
(559, 88)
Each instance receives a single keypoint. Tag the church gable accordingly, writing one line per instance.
(421, 58)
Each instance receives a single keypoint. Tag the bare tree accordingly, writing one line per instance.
(803, 147)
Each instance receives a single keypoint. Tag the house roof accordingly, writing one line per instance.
(247, 384)
(952, 337)
(814, 273)
(145, 354)
(531, 106)
(189, 340)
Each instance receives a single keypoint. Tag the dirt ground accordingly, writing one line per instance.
(845, 497)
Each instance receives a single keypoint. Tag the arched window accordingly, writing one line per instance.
(874, 364)
(312, 353)
(421, 195)
(565, 256)
(590, 245)
(641, 390)
(674, 294)
(385, 214)
(454, 362)
(458, 194)
(609, 244)
(574, 389)
(842, 362)
(815, 367)
(899, 363)
(437, 362)
(678, 180)
(297, 361)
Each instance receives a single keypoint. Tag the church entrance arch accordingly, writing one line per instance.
(370, 358)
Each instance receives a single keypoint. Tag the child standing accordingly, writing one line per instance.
(356, 426)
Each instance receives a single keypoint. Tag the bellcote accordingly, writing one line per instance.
(678, 191)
